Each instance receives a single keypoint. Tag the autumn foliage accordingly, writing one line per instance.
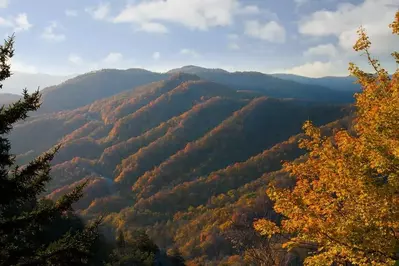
(345, 204)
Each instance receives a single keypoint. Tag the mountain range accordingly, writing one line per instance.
(185, 155)
(84, 89)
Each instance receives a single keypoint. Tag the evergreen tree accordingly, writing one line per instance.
(33, 230)
(133, 248)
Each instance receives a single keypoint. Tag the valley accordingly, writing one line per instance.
(178, 155)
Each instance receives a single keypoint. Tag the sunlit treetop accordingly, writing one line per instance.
(346, 200)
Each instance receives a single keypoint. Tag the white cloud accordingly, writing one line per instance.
(22, 23)
(374, 15)
(99, 12)
(17, 23)
(252, 10)
(156, 55)
(270, 31)
(190, 52)
(4, 3)
(71, 13)
(113, 58)
(194, 14)
(50, 35)
(19, 66)
(322, 50)
(319, 69)
(153, 27)
(75, 59)
(6, 23)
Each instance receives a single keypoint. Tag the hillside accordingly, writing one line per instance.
(84, 89)
(172, 156)
(92, 86)
(277, 86)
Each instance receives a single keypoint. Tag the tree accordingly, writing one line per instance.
(34, 230)
(133, 248)
(346, 199)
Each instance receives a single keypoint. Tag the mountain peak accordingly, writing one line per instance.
(182, 76)
(191, 69)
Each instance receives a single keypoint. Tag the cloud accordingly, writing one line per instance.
(270, 31)
(113, 58)
(75, 59)
(156, 55)
(153, 27)
(19, 66)
(319, 69)
(190, 52)
(193, 14)
(323, 49)
(99, 12)
(71, 13)
(22, 23)
(50, 35)
(4, 3)
(17, 23)
(374, 15)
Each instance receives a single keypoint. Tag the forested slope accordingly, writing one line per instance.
(177, 155)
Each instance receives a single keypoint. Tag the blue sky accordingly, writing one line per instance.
(306, 37)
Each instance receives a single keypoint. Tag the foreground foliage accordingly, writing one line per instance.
(345, 204)
(34, 230)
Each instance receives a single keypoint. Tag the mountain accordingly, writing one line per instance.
(183, 157)
(85, 89)
(20, 80)
(7, 98)
(195, 70)
(274, 86)
(335, 83)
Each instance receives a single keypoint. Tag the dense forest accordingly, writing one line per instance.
(201, 167)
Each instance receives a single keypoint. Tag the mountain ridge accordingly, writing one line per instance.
(89, 87)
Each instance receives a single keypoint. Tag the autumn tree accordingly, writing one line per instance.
(346, 199)
(34, 230)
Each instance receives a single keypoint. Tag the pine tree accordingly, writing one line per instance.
(133, 248)
(33, 230)
(346, 199)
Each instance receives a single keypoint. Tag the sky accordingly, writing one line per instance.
(305, 37)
